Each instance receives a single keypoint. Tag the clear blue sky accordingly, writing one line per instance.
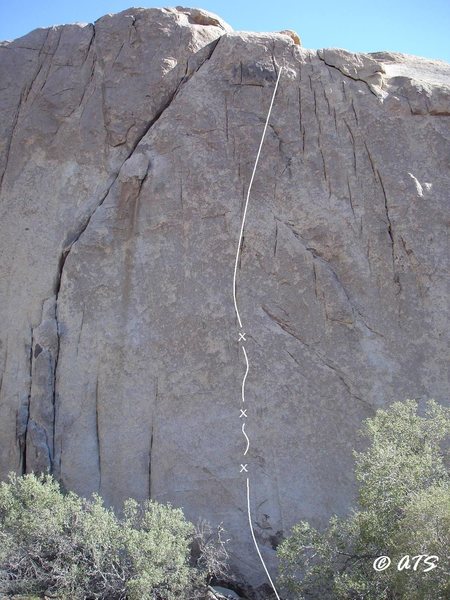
(419, 27)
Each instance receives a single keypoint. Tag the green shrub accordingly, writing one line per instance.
(79, 549)
(404, 509)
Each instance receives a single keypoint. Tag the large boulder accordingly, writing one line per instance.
(126, 152)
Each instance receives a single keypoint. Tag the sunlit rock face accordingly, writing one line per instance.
(126, 151)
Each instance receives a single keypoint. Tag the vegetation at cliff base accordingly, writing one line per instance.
(403, 514)
(75, 548)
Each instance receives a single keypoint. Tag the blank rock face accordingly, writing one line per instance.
(122, 199)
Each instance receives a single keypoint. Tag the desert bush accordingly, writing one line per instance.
(210, 552)
(79, 549)
(403, 510)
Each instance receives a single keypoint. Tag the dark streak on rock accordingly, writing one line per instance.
(23, 441)
(97, 434)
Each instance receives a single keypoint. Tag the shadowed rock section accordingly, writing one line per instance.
(126, 149)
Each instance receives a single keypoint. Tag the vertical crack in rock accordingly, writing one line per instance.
(92, 40)
(317, 111)
(276, 239)
(350, 196)
(49, 61)
(353, 144)
(390, 232)
(372, 165)
(150, 452)
(58, 342)
(38, 421)
(152, 429)
(315, 279)
(97, 437)
(324, 166)
(300, 116)
(10, 139)
(40, 64)
(354, 112)
(90, 47)
(24, 416)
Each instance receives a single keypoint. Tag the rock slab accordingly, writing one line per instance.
(126, 150)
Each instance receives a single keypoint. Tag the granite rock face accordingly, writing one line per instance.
(126, 150)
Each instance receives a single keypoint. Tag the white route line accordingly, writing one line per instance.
(256, 543)
(236, 263)
(246, 437)
(245, 376)
(248, 197)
